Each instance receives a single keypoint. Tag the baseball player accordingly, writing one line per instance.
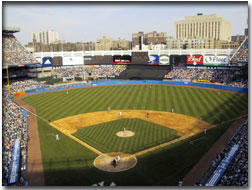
(205, 130)
(120, 113)
(118, 158)
(124, 130)
(108, 108)
(147, 115)
(172, 110)
(57, 137)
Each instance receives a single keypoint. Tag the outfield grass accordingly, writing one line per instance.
(103, 136)
(68, 163)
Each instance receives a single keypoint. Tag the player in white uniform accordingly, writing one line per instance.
(57, 137)
(118, 158)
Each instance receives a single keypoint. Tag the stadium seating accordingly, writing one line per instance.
(236, 173)
(14, 126)
(14, 52)
(242, 53)
(238, 78)
(79, 71)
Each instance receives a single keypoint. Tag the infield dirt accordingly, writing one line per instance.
(185, 125)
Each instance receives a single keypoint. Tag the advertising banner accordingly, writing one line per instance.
(47, 62)
(122, 60)
(217, 174)
(153, 60)
(164, 60)
(14, 167)
(72, 60)
(88, 60)
(194, 59)
(215, 60)
(21, 93)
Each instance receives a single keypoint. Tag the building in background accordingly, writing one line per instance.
(208, 43)
(151, 38)
(107, 44)
(45, 37)
(202, 26)
(238, 38)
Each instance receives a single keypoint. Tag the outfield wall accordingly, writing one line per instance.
(126, 82)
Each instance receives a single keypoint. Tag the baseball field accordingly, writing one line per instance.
(159, 134)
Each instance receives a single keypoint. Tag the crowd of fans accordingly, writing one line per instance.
(14, 52)
(242, 54)
(80, 71)
(14, 126)
(237, 172)
(217, 75)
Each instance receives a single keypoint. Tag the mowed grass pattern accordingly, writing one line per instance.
(103, 136)
(66, 162)
(196, 102)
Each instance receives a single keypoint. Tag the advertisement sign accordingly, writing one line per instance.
(122, 60)
(47, 62)
(87, 60)
(14, 168)
(164, 60)
(215, 60)
(21, 93)
(217, 174)
(153, 60)
(194, 59)
(72, 60)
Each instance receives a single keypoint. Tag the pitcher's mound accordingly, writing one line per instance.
(103, 162)
(125, 134)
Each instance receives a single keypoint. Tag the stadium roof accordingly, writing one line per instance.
(10, 29)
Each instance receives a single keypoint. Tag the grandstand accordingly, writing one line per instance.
(241, 54)
(230, 172)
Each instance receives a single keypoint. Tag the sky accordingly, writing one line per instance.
(85, 22)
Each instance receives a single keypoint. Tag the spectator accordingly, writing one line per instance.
(237, 172)
(14, 52)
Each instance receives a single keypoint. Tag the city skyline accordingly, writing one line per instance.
(87, 22)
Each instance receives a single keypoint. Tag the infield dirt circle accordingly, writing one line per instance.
(103, 162)
(125, 134)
